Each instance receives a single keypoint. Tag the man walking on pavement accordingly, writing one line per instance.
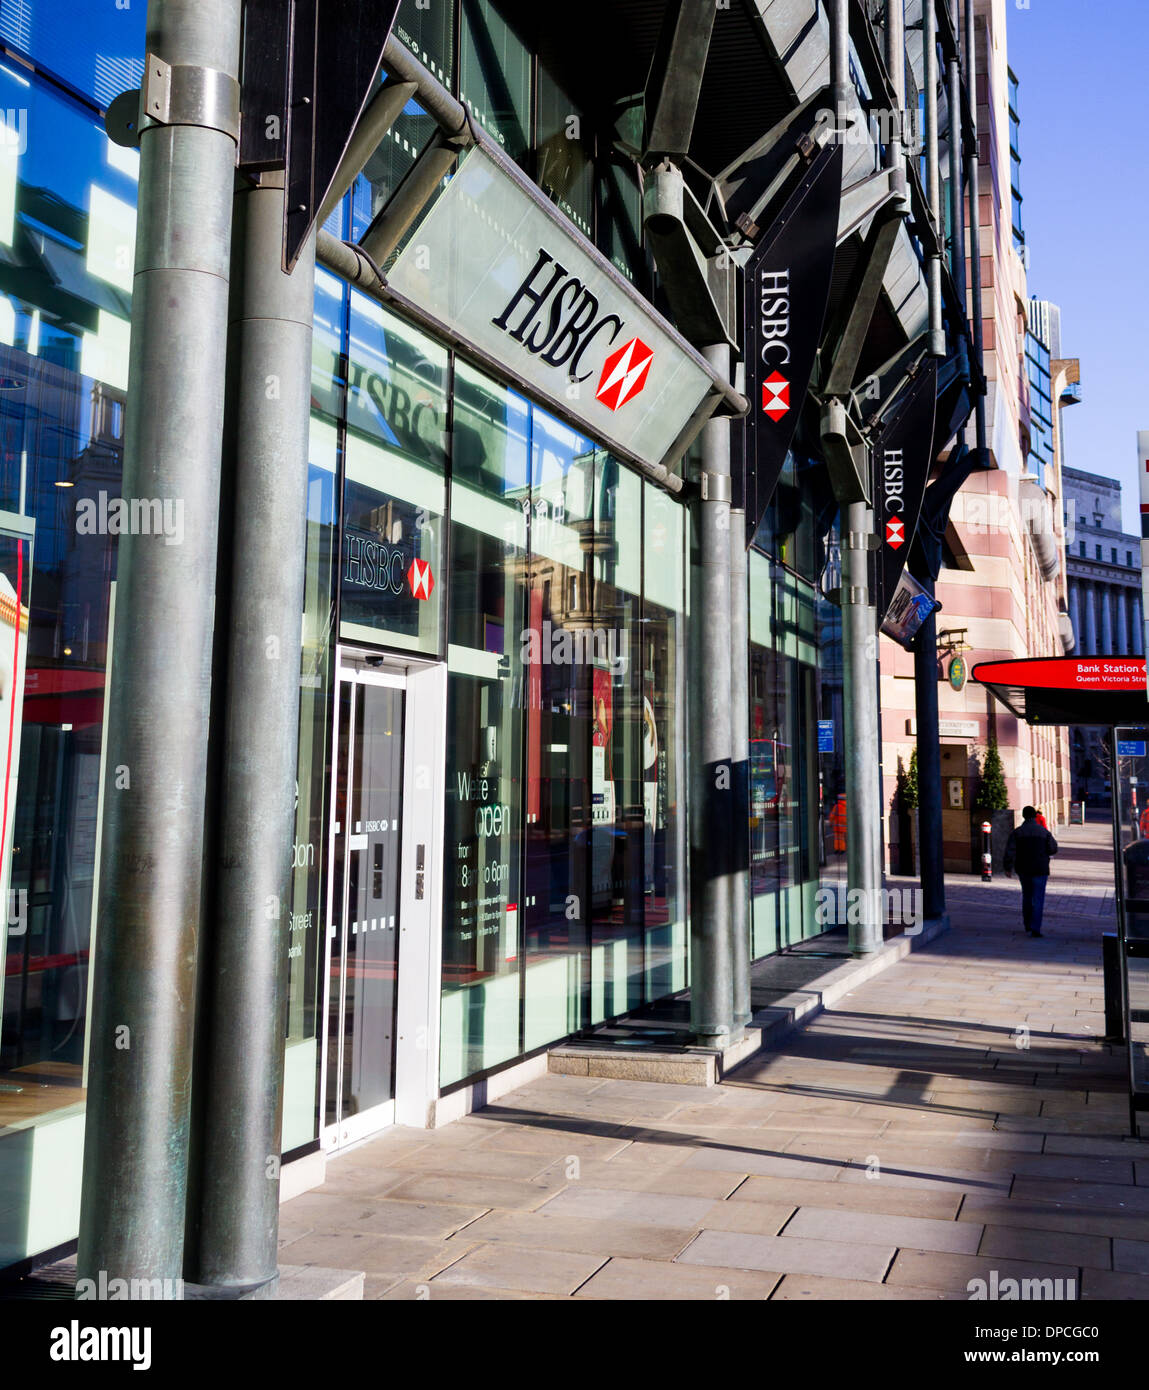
(1030, 847)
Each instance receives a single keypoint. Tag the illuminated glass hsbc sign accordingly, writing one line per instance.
(502, 274)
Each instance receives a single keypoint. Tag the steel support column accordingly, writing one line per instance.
(972, 159)
(148, 923)
(937, 338)
(932, 858)
(860, 720)
(266, 482)
(740, 752)
(711, 955)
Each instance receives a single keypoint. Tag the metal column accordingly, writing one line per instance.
(937, 338)
(932, 866)
(266, 480)
(972, 159)
(740, 751)
(859, 642)
(711, 963)
(136, 1138)
(860, 729)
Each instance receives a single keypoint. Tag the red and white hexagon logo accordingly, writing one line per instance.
(895, 532)
(420, 580)
(624, 374)
(775, 395)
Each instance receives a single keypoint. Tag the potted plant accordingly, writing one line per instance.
(908, 791)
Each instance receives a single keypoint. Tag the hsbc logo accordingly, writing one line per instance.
(420, 580)
(624, 374)
(557, 319)
(893, 493)
(775, 395)
(774, 334)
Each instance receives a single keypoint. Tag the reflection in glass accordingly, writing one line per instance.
(486, 695)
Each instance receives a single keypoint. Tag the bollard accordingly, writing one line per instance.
(986, 853)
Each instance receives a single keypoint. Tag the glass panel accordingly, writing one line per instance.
(335, 930)
(394, 495)
(309, 856)
(429, 32)
(371, 931)
(495, 77)
(663, 737)
(484, 892)
(99, 54)
(561, 877)
(620, 220)
(565, 167)
(67, 213)
(618, 837)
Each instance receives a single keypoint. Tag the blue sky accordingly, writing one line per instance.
(1085, 211)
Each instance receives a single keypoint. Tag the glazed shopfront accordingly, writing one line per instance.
(491, 830)
(491, 837)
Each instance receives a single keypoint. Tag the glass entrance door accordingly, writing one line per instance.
(363, 929)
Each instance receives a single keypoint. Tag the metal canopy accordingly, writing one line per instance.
(1069, 689)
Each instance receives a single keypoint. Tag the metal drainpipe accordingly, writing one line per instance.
(138, 1103)
(711, 963)
(740, 752)
(859, 643)
(267, 456)
(972, 158)
(937, 338)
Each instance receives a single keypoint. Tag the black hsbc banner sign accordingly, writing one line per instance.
(902, 461)
(786, 285)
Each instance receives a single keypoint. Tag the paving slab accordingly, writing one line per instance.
(513, 1267)
(870, 1228)
(648, 1280)
(787, 1255)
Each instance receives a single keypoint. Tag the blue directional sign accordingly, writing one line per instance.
(1131, 748)
(825, 735)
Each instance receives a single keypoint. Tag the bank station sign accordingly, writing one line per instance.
(502, 274)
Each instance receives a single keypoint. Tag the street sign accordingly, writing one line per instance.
(825, 735)
(785, 290)
(903, 455)
(1069, 689)
(1131, 749)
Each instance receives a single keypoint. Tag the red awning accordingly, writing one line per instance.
(1070, 689)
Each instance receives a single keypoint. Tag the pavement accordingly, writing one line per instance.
(955, 1118)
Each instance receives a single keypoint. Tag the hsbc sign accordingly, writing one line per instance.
(786, 286)
(506, 274)
(902, 457)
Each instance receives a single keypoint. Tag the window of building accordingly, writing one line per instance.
(495, 70)
(1099, 552)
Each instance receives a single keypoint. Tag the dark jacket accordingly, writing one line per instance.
(1029, 847)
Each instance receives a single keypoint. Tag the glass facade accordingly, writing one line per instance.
(565, 899)
(1040, 458)
(451, 519)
